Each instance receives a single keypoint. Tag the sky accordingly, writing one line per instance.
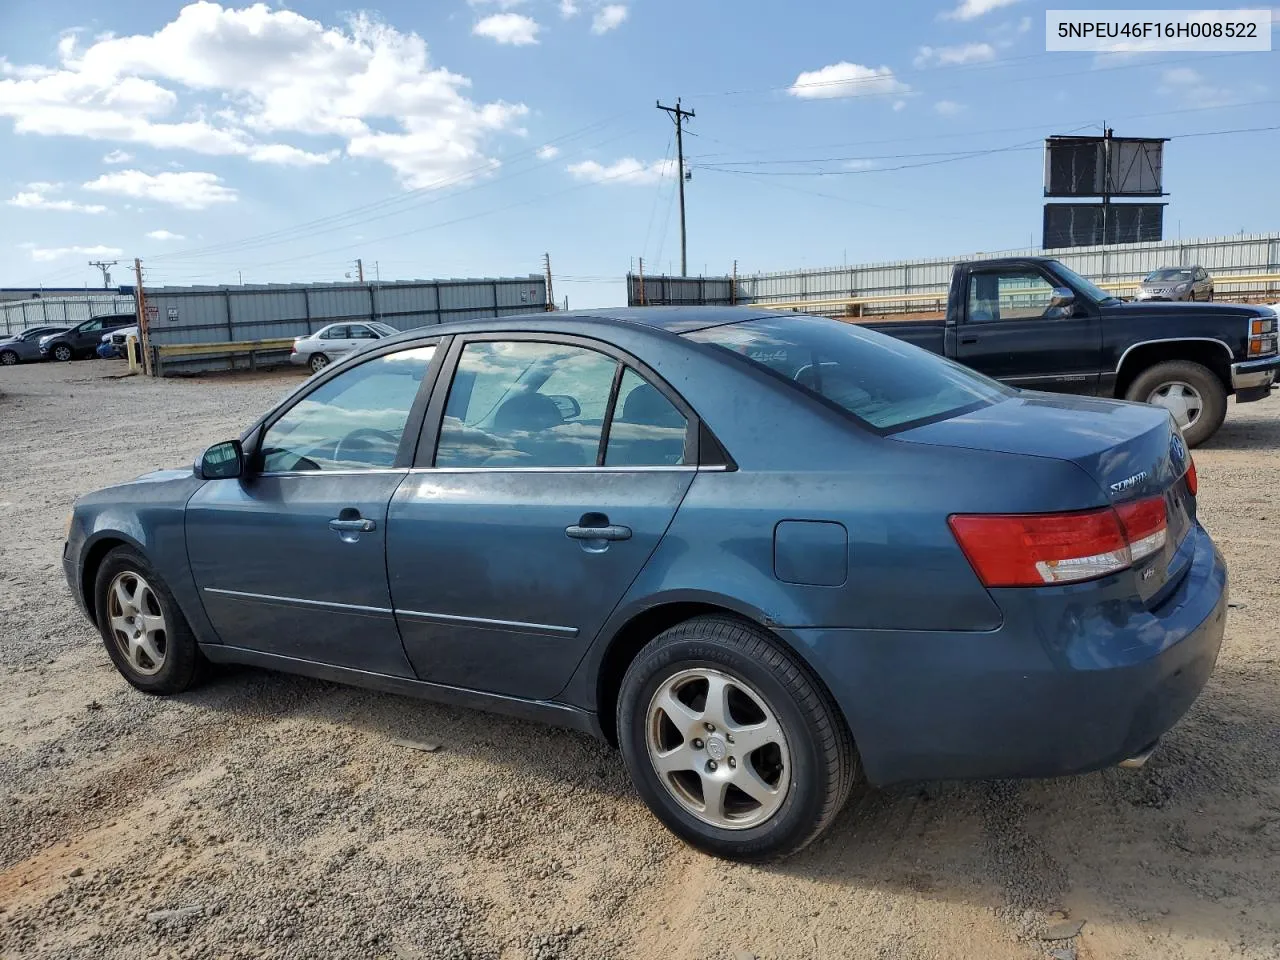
(467, 138)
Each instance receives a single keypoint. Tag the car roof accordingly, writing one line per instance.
(670, 320)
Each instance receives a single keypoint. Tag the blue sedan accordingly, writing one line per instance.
(773, 558)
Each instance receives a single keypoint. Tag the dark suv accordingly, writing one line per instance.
(82, 340)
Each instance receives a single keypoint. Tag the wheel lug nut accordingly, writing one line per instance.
(711, 766)
(697, 744)
(711, 727)
(732, 763)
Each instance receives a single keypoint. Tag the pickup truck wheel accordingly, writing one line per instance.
(731, 742)
(145, 633)
(1191, 392)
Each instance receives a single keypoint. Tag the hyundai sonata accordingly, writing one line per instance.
(773, 558)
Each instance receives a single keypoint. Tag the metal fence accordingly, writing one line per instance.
(63, 311)
(1234, 256)
(234, 314)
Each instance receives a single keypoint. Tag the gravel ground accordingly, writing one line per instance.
(265, 816)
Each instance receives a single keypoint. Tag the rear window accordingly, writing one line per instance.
(886, 384)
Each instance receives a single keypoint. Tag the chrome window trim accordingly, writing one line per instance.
(590, 468)
(331, 473)
(1143, 343)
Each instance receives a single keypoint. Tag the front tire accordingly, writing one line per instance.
(318, 362)
(730, 741)
(8, 358)
(1191, 392)
(146, 635)
(62, 353)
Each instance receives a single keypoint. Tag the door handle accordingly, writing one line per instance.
(612, 531)
(968, 339)
(352, 526)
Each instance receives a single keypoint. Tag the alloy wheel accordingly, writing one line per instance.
(137, 623)
(319, 362)
(62, 352)
(1179, 398)
(8, 358)
(718, 748)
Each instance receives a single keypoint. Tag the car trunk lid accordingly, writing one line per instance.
(1133, 451)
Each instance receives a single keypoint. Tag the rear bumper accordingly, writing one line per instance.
(1255, 375)
(1076, 678)
(299, 359)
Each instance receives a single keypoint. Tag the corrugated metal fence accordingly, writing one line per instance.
(1120, 263)
(216, 315)
(64, 311)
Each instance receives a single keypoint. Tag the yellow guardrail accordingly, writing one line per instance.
(1265, 278)
(166, 350)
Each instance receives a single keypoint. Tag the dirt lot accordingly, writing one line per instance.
(286, 815)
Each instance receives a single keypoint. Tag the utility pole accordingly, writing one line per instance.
(105, 267)
(679, 116)
(143, 336)
(360, 269)
(546, 266)
(642, 281)
(1106, 182)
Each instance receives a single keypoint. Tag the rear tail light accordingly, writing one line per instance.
(1193, 482)
(1030, 550)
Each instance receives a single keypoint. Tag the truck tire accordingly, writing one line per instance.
(1190, 391)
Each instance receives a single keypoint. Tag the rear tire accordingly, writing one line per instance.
(1165, 382)
(799, 774)
(63, 353)
(8, 358)
(146, 635)
(318, 362)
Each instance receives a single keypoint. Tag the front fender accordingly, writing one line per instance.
(149, 515)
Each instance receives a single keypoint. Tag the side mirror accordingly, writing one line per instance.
(569, 407)
(1063, 302)
(222, 461)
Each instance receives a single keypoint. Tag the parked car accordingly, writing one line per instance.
(118, 339)
(773, 558)
(335, 341)
(82, 340)
(1032, 322)
(1177, 283)
(24, 347)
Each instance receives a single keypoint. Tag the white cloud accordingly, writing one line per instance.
(569, 8)
(953, 56)
(847, 80)
(608, 17)
(45, 254)
(117, 156)
(1190, 87)
(36, 197)
(286, 155)
(190, 190)
(1024, 25)
(628, 170)
(972, 9)
(860, 165)
(165, 235)
(949, 108)
(234, 82)
(513, 29)
(500, 4)
(548, 152)
(899, 106)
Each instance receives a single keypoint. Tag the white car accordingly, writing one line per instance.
(319, 349)
(119, 339)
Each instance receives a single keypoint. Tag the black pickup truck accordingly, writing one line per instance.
(1033, 323)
